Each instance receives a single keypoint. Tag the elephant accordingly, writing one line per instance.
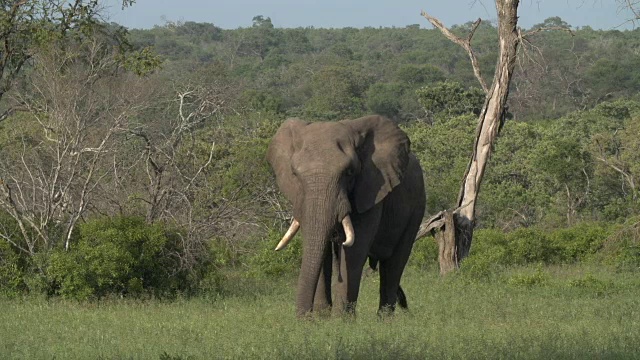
(357, 193)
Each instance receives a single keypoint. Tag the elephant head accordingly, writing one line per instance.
(331, 171)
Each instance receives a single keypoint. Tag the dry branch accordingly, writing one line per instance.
(455, 226)
(464, 43)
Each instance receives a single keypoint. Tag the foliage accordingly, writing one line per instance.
(142, 62)
(622, 246)
(336, 94)
(560, 74)
(424, 255)
(11, 271)
(265, 262)
(443, 164)
(493, 249)
(74, 112)
(449, 99)
(384, 99)
(538, 278)
(191, 108)
(579, 242)
(125, 256)
(28, 24)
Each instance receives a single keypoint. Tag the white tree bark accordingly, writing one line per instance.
(456, 226)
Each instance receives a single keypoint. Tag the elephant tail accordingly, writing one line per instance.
(402, 298)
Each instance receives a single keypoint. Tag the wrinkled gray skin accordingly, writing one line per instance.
(362, 168)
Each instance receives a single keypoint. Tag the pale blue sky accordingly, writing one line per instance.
(599, 14)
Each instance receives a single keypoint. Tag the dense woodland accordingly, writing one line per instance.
(132, 161)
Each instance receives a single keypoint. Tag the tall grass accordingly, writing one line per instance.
(570, 312)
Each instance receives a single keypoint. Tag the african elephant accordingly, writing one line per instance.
(357, 192)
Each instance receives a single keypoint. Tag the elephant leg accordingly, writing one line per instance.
(350, 261)
(322, 298)
(347, 286)
(390, 275)
(391, 270)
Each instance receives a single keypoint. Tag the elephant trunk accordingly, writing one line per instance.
(318, 228)
(314, 250)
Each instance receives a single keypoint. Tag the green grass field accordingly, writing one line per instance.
(571, 312)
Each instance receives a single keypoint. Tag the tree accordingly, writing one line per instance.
(25, 24)
(456, 225)
(631, 5)
(617, 150)
(384, 99)
(449, 98)
(337, 92)
(77, 105)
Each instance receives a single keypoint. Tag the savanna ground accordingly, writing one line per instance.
(540, 312)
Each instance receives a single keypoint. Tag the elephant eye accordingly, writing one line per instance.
(349, 171)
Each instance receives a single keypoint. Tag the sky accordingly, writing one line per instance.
(231, 14)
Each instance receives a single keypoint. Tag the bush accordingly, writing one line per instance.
(424, 254)
(529, 245)
(536, 278)
(579, 242)
(592, 285)
(622, 247)
(491, 241)
(484, 264)
(493, 248)
(489, 253)
(125, 256)
(11, 271)
(265, 261)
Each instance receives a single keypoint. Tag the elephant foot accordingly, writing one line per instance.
(323, 310)
(386, 312)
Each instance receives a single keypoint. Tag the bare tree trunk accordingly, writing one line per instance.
(456, 225)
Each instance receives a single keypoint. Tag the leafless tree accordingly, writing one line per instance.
(177, 162)
(455, 226)
(76, 107)
(632, 6)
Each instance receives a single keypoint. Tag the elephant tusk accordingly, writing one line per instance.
(293, 229)
(348, 231)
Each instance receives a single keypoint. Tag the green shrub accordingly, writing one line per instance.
(493, 250)
(579, 242)
(592, 284)
(265, 261)
(488, 254)
(628, 258)
(536, 278)
(482, 265)
(11, 271)
(622, 247)
(424, 254)
(126, 256)
(491, 241)
(529, 246)
(588, 241)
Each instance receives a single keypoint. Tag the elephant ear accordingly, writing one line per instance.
(281, 149)
(383, 149)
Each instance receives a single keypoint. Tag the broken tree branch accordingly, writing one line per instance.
(464, 43)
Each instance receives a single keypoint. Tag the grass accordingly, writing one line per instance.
(571, 312)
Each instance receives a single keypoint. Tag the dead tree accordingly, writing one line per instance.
(51, 171)
(453, 228)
